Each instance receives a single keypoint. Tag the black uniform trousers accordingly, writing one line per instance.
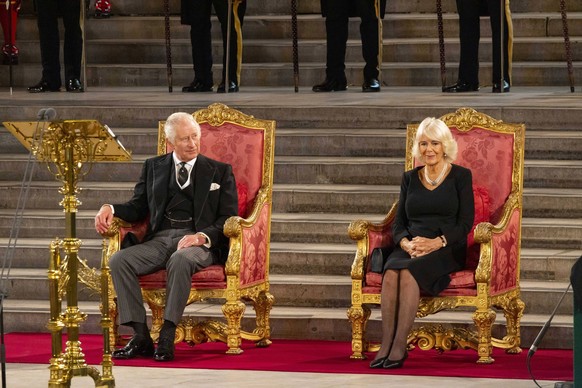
(469, 34)
(200, 37)
(48, 28)
(336, 26)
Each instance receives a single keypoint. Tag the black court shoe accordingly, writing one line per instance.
(389, 364)
(378, 363)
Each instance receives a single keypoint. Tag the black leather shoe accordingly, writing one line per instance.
(497, 89)
(371, 85)
(378, 363)
(165, 350)
(42, 87)
(331, 85)
(461, 87)
(197, 86)
(232, 87)
(137, 346)
(74, 86)
(389, 364)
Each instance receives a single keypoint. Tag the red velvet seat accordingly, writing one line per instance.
(493, 150)
(248, 145)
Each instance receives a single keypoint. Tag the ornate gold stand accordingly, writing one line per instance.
(66, 146)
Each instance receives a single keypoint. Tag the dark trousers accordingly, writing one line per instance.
(201, 39)
(151, 256)
(48, 29)
(336, 26)
(469, 34)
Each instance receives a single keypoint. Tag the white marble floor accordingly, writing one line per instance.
(36, 375)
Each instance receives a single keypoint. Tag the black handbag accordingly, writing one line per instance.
(378, 259)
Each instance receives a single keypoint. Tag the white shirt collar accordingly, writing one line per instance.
(177, 161)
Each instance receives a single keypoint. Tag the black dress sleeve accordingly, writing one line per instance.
(400, 225)
(466, 214)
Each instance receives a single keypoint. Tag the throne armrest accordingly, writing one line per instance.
(369, 235)
(499, 252)
(119, 229)
(249, 242)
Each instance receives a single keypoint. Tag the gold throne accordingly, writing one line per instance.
(248, 145)
(493, 150)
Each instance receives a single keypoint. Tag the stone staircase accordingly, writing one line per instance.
(338, 157)
(326, 175)
(128, 49)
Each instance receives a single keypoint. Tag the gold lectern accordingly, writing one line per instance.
(69, 148)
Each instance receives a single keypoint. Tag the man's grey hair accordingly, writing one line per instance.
(177, 119)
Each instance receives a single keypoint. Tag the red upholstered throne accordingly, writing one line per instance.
(247, 144)
(493, 150)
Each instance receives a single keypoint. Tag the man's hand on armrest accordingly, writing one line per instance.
(103, 218)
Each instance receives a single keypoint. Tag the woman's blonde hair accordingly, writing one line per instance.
(436, 129)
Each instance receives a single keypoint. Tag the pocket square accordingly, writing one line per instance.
(214, 186)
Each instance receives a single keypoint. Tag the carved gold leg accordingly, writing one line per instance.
(358, 316)
(55, 324)
(114, 336)
(263, 306)
(107, 379)
(484, 320)
(157, 320)
(233, 311)
(513, 314)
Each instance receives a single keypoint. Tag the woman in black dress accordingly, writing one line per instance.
(434, 215)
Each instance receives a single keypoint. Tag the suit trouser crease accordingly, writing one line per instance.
(142, 259)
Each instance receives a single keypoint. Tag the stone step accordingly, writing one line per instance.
(301, 258)
(313, 170)
(130, 107)
(278, 7)
(299, 290)
(331, 228)
(549, 145)
(138, 52)
(549, 233)
(391, 142)
(287, 198)
(298, 322)
(407, 54)
(408, 74)
(309, 27)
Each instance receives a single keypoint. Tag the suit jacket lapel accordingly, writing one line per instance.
(203, 179)
(162, 172)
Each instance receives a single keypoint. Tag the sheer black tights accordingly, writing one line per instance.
(400, 298)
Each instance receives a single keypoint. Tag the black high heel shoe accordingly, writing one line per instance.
(378, 363)
(389, 364)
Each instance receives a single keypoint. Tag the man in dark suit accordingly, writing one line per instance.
(196, 13)
(469, 33)
(337, 13)
(187, 197)
(48, 30)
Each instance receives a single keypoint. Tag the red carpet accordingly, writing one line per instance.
(312, 356)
